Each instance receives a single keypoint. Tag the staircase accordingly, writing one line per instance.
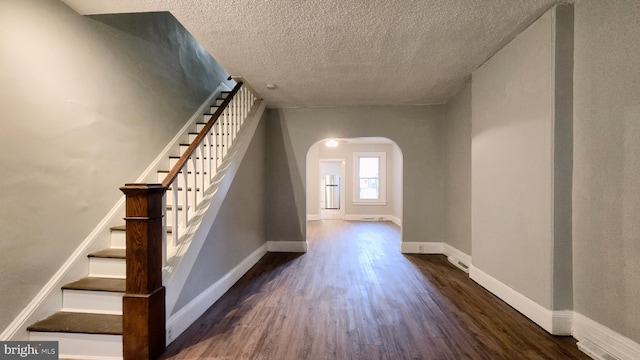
(90, 323)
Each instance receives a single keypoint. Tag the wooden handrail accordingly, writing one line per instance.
(194, 145)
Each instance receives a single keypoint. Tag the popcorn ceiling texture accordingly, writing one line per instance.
(346, 52)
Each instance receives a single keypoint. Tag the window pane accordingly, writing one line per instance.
(369, 189)
(369, 167)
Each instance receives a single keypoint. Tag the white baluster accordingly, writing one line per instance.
(208, 154)
(245, 109)
(236, 115)
(225, 138)
(185, 195)
(174, 214)
(194, 192)
(218, 144)
(201, 163)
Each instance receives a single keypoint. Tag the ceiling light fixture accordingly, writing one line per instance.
(271, 86)
(331, 143)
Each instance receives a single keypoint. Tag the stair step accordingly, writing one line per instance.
(97, 284)
(111, 253)
(84, 323)
(108, 263)
(94, 295)
(118, 238)
(81, 335)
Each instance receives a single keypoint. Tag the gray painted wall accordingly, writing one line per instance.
(458, 170)
(418, 131)
(606, 193)
(84, 108)
(345, 151)
(239, 228)
(520, 169)
(396, 173)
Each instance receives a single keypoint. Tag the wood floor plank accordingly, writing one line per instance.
(353, 295)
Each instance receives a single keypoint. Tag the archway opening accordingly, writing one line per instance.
(355, 179)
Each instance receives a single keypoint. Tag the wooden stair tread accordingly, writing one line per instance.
(119, 228)
(110, 254)
(98, 284)
(84, 323)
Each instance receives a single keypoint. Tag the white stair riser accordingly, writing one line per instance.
(118, 239)
(77, 346)
(107, 267)
(98, 302)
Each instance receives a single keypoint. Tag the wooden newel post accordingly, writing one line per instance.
(143, 306)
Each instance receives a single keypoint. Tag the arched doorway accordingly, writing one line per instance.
(354, 179)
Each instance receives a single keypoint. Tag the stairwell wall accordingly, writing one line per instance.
(85, 105)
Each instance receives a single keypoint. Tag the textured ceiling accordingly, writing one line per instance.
(345, 52)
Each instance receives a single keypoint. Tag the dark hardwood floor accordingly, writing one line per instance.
(355, 296)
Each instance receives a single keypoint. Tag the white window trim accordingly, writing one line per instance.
(383, 178)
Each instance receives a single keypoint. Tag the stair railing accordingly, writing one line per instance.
(194, 172)
(144, 327)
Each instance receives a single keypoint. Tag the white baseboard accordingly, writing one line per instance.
(457, 257)
(554, 322)
(561, 322)
(602, 343)
(361, 217)
(366, 217)
(422, 248)
(287, 246)
(183, 318)
(394, 219)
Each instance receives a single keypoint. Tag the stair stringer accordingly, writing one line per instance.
(49, 299)
(179, 267)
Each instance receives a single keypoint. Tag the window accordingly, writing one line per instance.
(370, 177)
